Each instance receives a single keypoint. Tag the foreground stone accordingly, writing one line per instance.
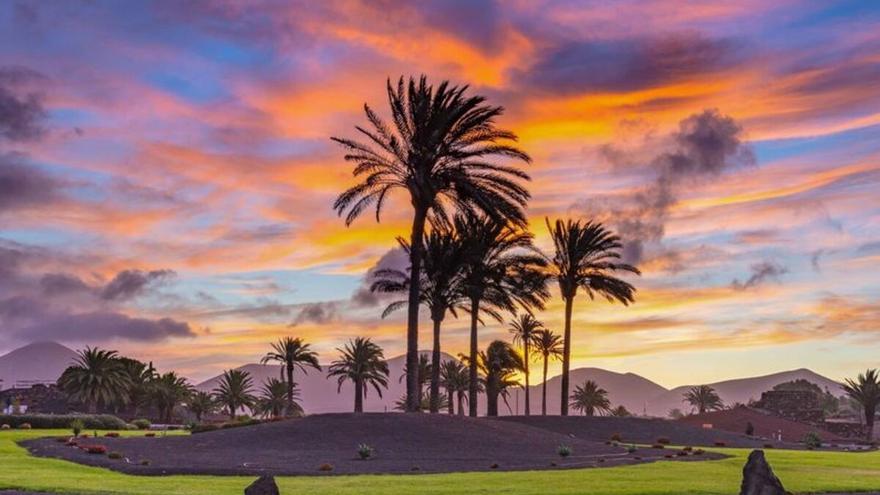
(265, 485)
(758, 478)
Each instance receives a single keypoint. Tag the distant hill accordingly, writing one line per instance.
(741, 390)
(37, 362)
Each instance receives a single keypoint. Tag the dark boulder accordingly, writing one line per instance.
(758, 478)
(265, 485)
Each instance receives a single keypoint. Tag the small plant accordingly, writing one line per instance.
(663, 441)
(494, 465)
(750, 428)
(77, 426)
(112, 434)
(150, 435)
(145, 462)
(365, 451)
(615, 437)
(95, 449)
(142, 424)
(415, 468)
(114, 455)
(632, 449)
(325, 467)
(688, 449)
(24, 426)
(658, 446)
(563, 451)
(812, 440)
(699, 452)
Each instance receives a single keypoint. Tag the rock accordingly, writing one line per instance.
(265, 485)
(758, 478)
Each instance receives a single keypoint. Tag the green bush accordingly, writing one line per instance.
(142, 424)
(63, 421)
(563, 450)
(812, 440)
(77, 426)
(365, 451)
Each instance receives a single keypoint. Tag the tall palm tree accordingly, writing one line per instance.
(97, 377)
(235, 391)
(865, 390)
(141, 376)
(525, 330)
(167, 392)
(441, 291)
(292, 353)
(703, 398)
(549, 346)
(499, 364)
(590, 399)
(502, 271)
(454, 378)
(272, 401)
(585, 258)
(441, 152)
(201, 404)
(362, 362)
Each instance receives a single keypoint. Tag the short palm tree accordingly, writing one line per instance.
(97, 377)
(585, 257)
(272, 402)
(620, 412)
(525, 330)
(502, 271)
(167, 392)
(292, 353)
(201, 404)
(590, 399)
(703, 398)
(441, 291)
(363, 363)
(548, 345)
(454, 378)
(499, 364)
(865, 390)
(441, 152)
(235, 391)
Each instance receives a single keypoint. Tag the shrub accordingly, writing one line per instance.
(415, 468)
(95, 449)
(142, 424)
(563, 451)
(658, 446)
(699, 452)
(24, 426)
(494, 465)
(632, 449)
(615, 437)
(325, 467)
(750, 428)
(719, 443)
(668, 456)
(365, 451)
(63, 421)
(77, 426)
(681, 453)
(688, 449)
(112, 434)
(145, 462)
(812, 440)
(204, 427)
(663, 440)
(150, 435)
(114, 455)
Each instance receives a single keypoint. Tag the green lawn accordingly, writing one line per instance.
(801, 472)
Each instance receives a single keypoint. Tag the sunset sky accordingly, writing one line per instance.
(166, 173)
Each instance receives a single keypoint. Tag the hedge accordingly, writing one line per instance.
(91, 421)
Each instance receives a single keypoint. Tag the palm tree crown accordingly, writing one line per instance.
(362, 362)
(272, 401)
(201, 404)
(585, 257)
(865, 390)
(168, 390)
(499, 364)
(454, 378)
(292, 353)
(441, 150)
(590, 399)
(235, 391)
(97, 377)
(704, 398)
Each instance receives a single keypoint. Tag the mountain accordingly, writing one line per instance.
(34, 363)
(741, 390)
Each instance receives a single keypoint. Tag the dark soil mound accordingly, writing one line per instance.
(636, 430)
(402, 443)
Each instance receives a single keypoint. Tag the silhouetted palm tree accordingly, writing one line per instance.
(273, 399)
(441, 152)
(167, 391)
(704, 398)
(362, 362)
(499, 364)
(620, 412)
(525, 330)
(590, 399)
(201, 404)
(141, 376)
(235, 391)
(549, 346)
(585, 258)
(97, 377)
(501, 271)
(292, 353)
(454, 377)
(865, 390)
(441, 291)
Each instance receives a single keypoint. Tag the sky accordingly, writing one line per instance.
(167, 173)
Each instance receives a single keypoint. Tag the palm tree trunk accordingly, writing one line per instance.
(544, 390)
(450, 402)
(460, 394)
(290, 388)
(566, 357)
(526, 359)
(435, 369)
(358, 396)
(413, 392)
(472, 364)
(491, 399)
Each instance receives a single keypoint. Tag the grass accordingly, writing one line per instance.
(800, 471)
